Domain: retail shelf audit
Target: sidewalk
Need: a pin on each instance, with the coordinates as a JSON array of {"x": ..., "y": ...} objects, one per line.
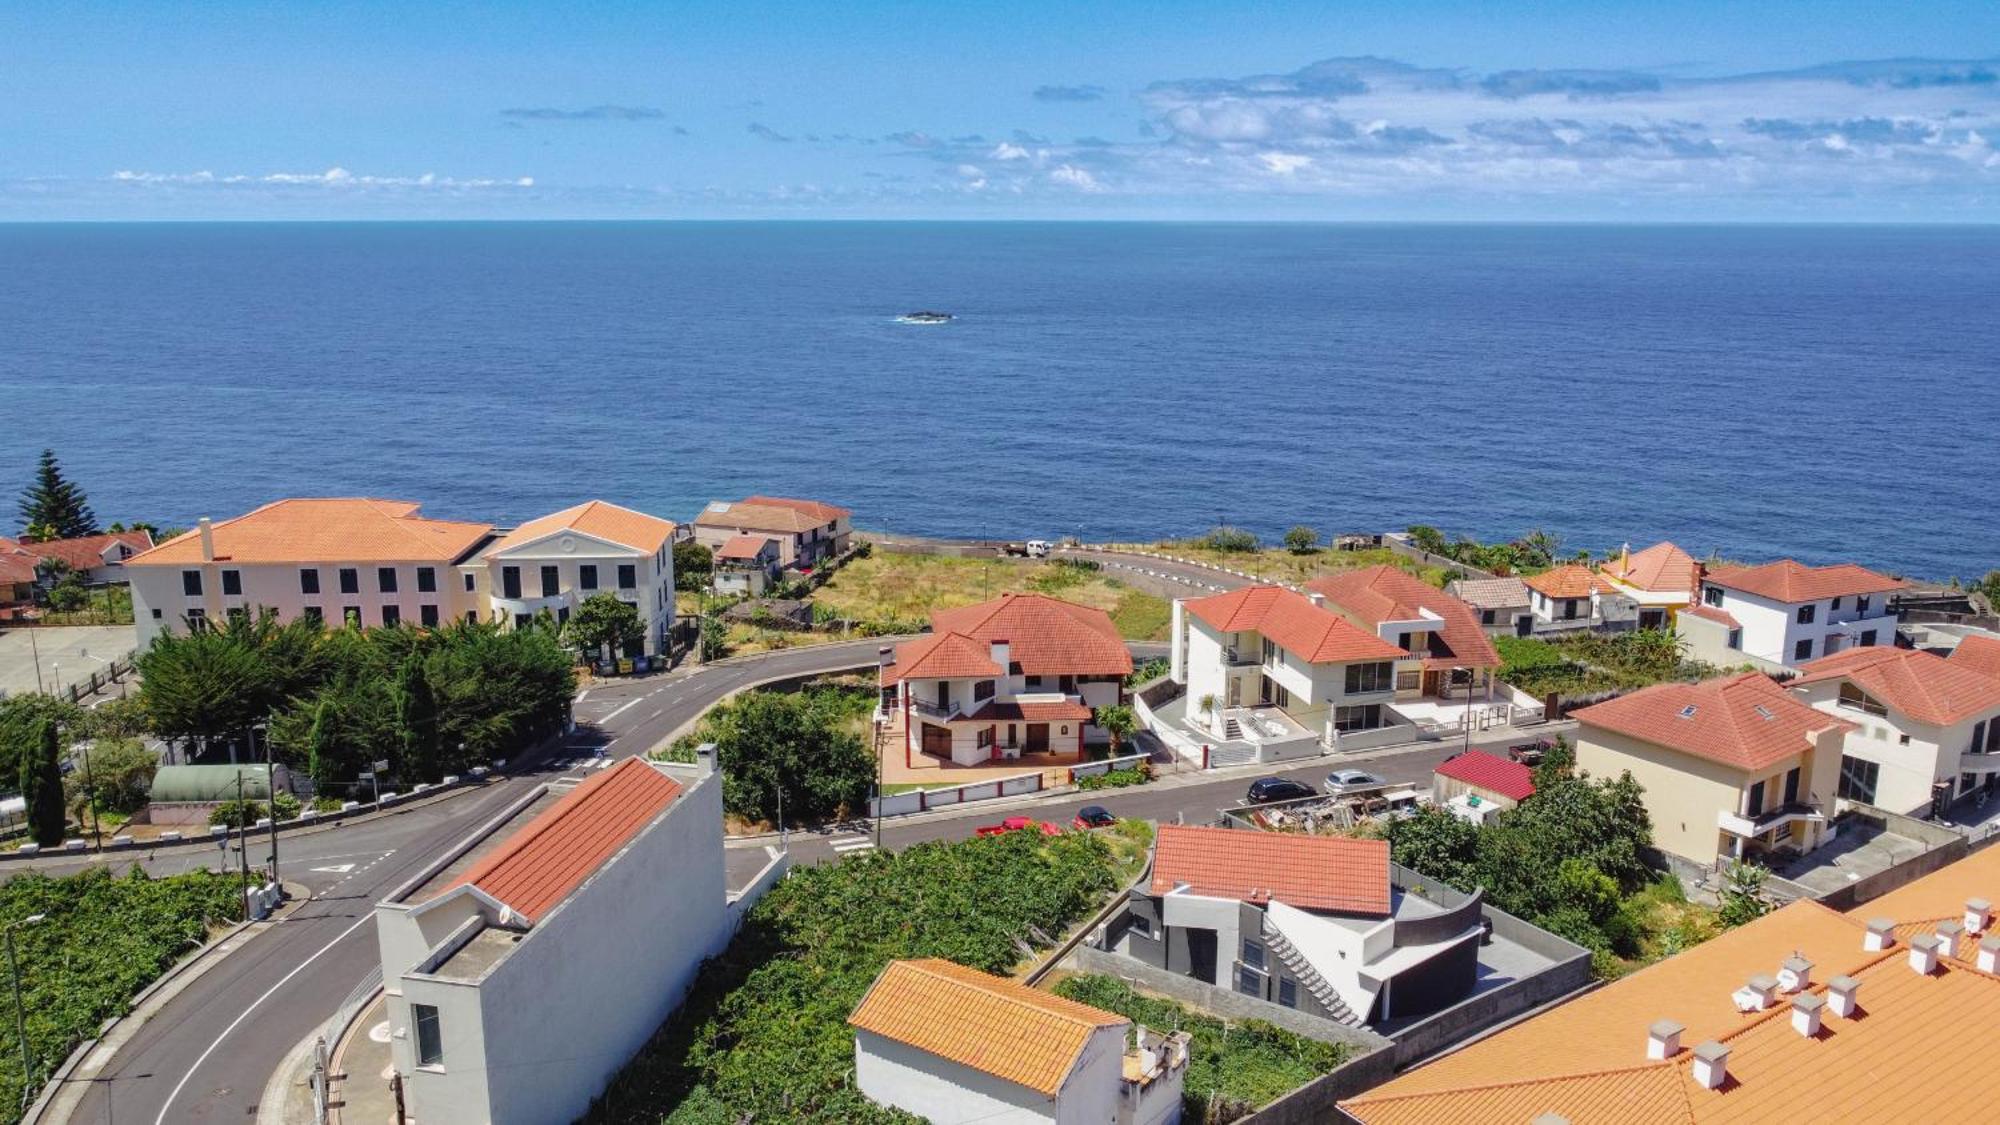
[{"x": 361, "y": 1068}]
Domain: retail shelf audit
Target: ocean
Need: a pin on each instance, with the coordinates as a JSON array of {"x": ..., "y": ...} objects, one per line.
[{"x": 1822, "y": 392}]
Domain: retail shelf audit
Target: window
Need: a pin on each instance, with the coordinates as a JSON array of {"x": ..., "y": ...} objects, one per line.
[
  {"x": 1808, "y": 613},
  {"x": 522, "y": 620},
  {"x": 191, "y": 583},
  {"x": 392, "y": 615},
  {"x": 427, "y": 580},
  {"x": 197, "y": 620},
  {"x": 1365, "y": 717},
  {"x": 983, "y": 738},
  {"x": 350, "y": 580},
  {"x": 1867, "y": 637},
  {"x": 428, "y": 615},
  {"x": 1858, "y": 778},
  {"x": 551, "y": 581},
  {"x": 1270, "y": 654},
  {"x": 1802, "y": 650},
  {"x": 586, "y": 576},
  {"x": 982, "y": 690},
  {"x": 1288, "y": 989},
  {"x": 1711, "y": 595},
  {"x": 237, "y": 613},
  {"x": 1363, "y": 678},
  {"x": 430, "y": 1043},
  {"x": 1978, "y": 737},
  {"x": 350, "y": 616},
  {"x": 472, "y": 617},
  {"x": 1253, "y": 953},
  {"x": 1755, "y": 804},
  {"x": 1792, "y": 786},
  {"x": 232, "y": 583},
  {"x": 1249, "y": 981},
  {"x": 1486, "y": 617},
  {"x": 1066, "y": 684},
  {"x": 510, "y": 581},
  {"x": 308, "y": 581},
  {"x": 157, "y": 615},
  {"x": 1736, "y": 639},
  {"x": 314, "y": 614},
  {"x": 1854, "y": 699},
  {"x": 1833, "y": 605},
  {"x": 470, "y": 582},
  {"x": 1569, "y": 609},
  {"x": 1861, "y": 606},
  {"x": 1141, "y": 926},
  {"x": 1993, "y": 738},
  {"x": 385, "y": 579},
  {"x": 628, "y": 576}
]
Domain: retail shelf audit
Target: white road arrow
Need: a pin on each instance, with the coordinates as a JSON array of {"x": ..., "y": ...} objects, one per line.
[{"x": 336, "y": 869}]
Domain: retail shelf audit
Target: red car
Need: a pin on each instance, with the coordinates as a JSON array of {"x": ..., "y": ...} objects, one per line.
[{"x": 1016, "y": 824}]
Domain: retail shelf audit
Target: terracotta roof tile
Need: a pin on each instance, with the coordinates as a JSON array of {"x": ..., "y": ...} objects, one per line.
[
  {"x": 942, "y": 656},
  {"x": 1979, "y": 653},
  {"x": 1792, "y": 582},
  {"x": 323, "y": 530},
  {"x": 1032, "y": 712},
  {"x": 1569, "y": 581},
  {"x": 747, "y": 516},
  {"x": 1938, "y": 896},
  {"x": 1045, "y": 636},
  {"x": 1661, "y": 568},
  {"x": 599, "y": 519},
  {"x": 1312, "y": 633},
  {"x": 88, "y": 551},
  {"x": 1372, "y": 595},
  {"x": 1308, "y": 872},
  {"x": 1746, "y": 720},
  {"x": 1710, "y": 613},
  {"x": 742, "y": 547},
  {"x": 824, "y": 513},
  {"x": 17, "y": 566},
  {"x": 993, "y": 1025},
  {"x": 555, "y": 853},
  {"x": 1490, "y": 772},
  {"x": 1922, "y": 685},
  {"x": 1490, "y": 593}
]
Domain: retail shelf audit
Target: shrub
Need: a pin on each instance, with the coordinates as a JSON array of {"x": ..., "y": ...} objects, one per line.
[
  {"x": 284, "y": 806},
  {"x": 1229, "y": 540},
  {"x": 1302, "y": 540},
  {"x": 1118, "y": 778},
  {"x": 236, "y": 814}
]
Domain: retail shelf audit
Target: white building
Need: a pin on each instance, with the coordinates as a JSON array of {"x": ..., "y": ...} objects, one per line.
[
  {"x": 962, "y": 1047},
  {"x": 1926, "y": 728},
  {"x": 1661, "y": 580},
  {"x": 553, "y": 563},
  {"x": 515, "y": 995},
  {"x": 1501, "y": 603},
  {"x": 1568, "y": 596},
  {"x": 1783, "y": 614},
  {"x": 807, "y": 532}
]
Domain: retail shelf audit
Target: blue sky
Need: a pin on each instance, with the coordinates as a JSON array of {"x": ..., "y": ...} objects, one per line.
[{"x": 1780, "y": 111}]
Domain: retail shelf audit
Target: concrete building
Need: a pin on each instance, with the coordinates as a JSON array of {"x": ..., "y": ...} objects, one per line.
[
  {"x": 1783, "y": 614},
  {"x": 1312, "y": 923},
  {"x": 1476, "y": 786},
  {"x": 1455, "y": 658},
  {"x": 1568, "y": 596},
  {"x": 961, "y": 1047},
  {"x": 1731, "y": 767},
  {"x": 1021, "y": 674},
  {"x": 555, "y": 562},
  {"x": 808, "y": 532},
  {"x": 1661, "y": 580},
  {"x": 746, "y": 565},
  {"x": 1926, "y": 729},
  {"x": 516, "y": 994},
  {"x": 1502, "y": 604}
]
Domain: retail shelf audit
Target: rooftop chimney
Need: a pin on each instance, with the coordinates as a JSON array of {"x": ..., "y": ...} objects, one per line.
[
  {"x": 1989, "y": 954},
  {"x": 704, "y": 758},
  {"x": 1843, "y": 995},
  {"x": 1978, "y": 915},
  {"x": 1316, "y": 598},
  {"x": 1000, "y": 651},
  {"x": 1948, "y": 934},
  {"x": 1805, "y": 1014},
  {"x": 207, "y": 539},
  {"x": 1756, "y": 994},
  {"x": 1881, "y": 935},
  {"x": 1924, "y": 954},
  {"x": 1711, "y": 1065},
  {"x": 1795, "y": 974},
  {"x": 1663, "y": 1039},
  {"x": 1550, "y": 1118}
]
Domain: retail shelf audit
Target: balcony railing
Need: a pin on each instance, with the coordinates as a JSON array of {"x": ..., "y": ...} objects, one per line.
[
  {"x": 931, "y": 710},
  {"x": 1737, "y": 824},
  {"x": 1237, "y": 658}
]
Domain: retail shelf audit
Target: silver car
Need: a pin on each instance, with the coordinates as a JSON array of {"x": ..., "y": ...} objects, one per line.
[{"x": 1350, "y": 781}]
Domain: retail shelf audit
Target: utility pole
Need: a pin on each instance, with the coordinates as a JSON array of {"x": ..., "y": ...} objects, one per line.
[
  {"x": 878, "y": 785},
  {"x": 243, "y": 843},
  {"x": 270, "y": 783},
  {"x": 36, "y": 650},
  {"x": 90, "y": 795}
]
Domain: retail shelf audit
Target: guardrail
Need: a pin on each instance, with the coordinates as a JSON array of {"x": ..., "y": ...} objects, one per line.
[{"x": 921, "y": 800}]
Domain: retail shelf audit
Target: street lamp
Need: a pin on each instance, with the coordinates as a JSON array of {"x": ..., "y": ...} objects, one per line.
[{"x": 21, "y": 1007}]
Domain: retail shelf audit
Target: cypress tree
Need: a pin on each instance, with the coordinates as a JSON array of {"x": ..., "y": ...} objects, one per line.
[
  {"x": 53, "y": 507},
  {"x": 417, "y": 718},
  {"x": 321, "y": 747},
  {"x": 41, "y": 785}
]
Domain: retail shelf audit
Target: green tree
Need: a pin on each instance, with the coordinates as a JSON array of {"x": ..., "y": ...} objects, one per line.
[
  {"x": 604, "y": 620},
  {"x": 1439, "y": 845},
  {"x": 205, "y": 685},
  {"x": 121, "y": 773},
  {"x": 53, "y": 507},
  {"x": 714, "y": 640},
  {"x": 1119, "y": 722},
  {"x": 773, "y": 743},
  {"x": 1990, "y": 586},
  {"x": 1428, "y": 538},
  {"x": 42, "y": 785},
  {"x": 322, "y": 744},
  {"x": 417, "y": 720},
  {"x": 693, "y": 565},
  {"x": 1302, "y": 540},
  {"x": 1742, "y": 897}
]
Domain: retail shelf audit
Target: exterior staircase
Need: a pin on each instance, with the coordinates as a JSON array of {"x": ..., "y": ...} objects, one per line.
[
  {"x": 1289, "y": 955},
  {"x": 1232, "y": 731}
]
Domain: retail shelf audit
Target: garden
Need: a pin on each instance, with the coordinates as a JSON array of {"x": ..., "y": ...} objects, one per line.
[
  {"x": 1591, "y": 663},
  {"x": 803, "y": 751},
  {"x": 890, "y": 594}
]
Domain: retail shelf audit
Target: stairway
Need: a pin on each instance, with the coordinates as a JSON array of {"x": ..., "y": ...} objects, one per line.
[
  {"x": 1232, "y": 731},
  {"x": 1288, "y": 954}
]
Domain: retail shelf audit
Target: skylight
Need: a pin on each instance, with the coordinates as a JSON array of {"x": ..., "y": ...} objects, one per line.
[
  {"x": 1763, "y": 712},
  {"x": 1688, "y": 711}
]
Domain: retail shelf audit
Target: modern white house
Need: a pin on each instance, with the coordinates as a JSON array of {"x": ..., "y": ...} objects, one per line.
[
  {"x": 1453, "y": 657},
  {"x": 1784, "y": 614},
  {"x": 1021, "y": 674},
  {"x": 960, "y": 1047},
  {"x": 553, "y": 563},
  {"x": 1661, "y": 580},
  {"x": 516, "y": 994},
  {"x": 1926, "y": 729}
]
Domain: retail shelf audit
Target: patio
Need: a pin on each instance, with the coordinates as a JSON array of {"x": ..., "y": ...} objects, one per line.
[{"x": 916, "y": 768}]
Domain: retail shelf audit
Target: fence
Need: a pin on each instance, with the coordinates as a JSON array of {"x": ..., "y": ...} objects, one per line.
[
  {"x": 919, "y": 800},
  {"x": 109, "y": 674}
]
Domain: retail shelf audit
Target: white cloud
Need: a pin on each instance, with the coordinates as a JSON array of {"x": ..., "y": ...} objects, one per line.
[
  {"x": 1007, "y": 150},
  {"x": 1284, "y": 163},
  {"x": 335, "y": 177},
  {"x": 1069, "y": 175}
]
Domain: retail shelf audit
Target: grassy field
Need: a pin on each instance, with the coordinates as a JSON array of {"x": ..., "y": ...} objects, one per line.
[
  {"x": 1280, "y": 565},
  {"x": 891, "y": 590}
]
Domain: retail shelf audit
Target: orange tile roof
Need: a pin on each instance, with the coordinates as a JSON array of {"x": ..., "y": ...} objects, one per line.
[
  {"x": 1569, "y": 581},
  {"x": 1376, "y": 594},
  {"x": 1045, "y": 636},
  {"x": 746, "y": 516},
  {"x": 599, "y": 519},
  {"x": 1310, "y": 632},
  {"x": 942, "y": 656},
  {"x": 1924, "y": 686},
  {"x": 993, "y": 1025},
  {"x": 1979, "y": 653},
  {"x": 824, "y": 513},
  {"x": 1710, "y": 613},
  {"x": 1922, "y": 902},
  {"x": 742, "y": 547},
  {"x": 1491, "y": 772},
  {"x": 552, "y": 855},
  {"x": 1792, "y": 582},
  {"x": 1661, "y": 568},
  {"x": 1308, "y": 872},
  {"x": 17, "y": 566},
  {"x": 324, "y": 530},
  {"x": 1015, "y": 712},
  {"x": 1746, "y": 720},
  {"x": 88, "y": 551}
]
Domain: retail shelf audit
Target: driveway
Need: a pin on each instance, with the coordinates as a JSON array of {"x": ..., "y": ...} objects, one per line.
[{"x": 66, "y": 653}]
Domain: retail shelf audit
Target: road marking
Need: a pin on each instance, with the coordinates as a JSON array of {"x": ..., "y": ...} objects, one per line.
[
  {"x": 849, "y": 844},
  {"x": 336, "y": 869},
  {"x": 583, "y": 695},
  {"x": 629, "y": 704}
]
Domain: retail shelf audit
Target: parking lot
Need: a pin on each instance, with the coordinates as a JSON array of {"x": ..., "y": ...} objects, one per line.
[{"x": 64, "y": 654}]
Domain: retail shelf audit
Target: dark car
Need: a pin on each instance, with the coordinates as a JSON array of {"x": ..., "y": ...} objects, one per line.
[
  {"x": 1531, "y": 753},
  {"x": 1094, "y": 816},
  {"x": 1266, "y": 789}
]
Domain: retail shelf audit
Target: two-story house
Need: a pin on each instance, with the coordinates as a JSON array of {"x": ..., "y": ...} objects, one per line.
[
  {"x": 1021, "y": 674},
  {"x": 1661, "y": 580},
  {"x": 1926, "y": 729},
  {"x": 1266, "y": 665},
  {"x": 1501, "y": 603},
  {"x": 807, "y": 532},
  {"x": 1783, "y": 614},
  {"x": 1568, "y": 596},
  {"x": 1731, "y": 767},
  {"x": 555, "y": 562},
  {"x": 1455, "y": 658}
]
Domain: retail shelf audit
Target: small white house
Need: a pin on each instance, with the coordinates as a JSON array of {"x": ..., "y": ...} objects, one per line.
[
  {"x": 962, "y": 1047},
  {"x": 1568, "y": 596},
  {"x": 1783, "y": 614},
  {"x": 1924, "y": 727}
]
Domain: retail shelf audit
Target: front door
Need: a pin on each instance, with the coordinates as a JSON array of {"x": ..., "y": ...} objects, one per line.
[
  {"x": 1038, "y": 738},
  {"x": 1652, "y": 619},
  {"x": 937, "y": 740},
  {"x": 1430, "y": 683}
]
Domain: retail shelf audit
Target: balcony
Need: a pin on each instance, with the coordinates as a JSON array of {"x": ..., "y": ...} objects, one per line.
[
  {"x": 1975, "y": 762},
  {"x": 932, "y": 711},
  {"x": 1750, "y": 827},
  {"x": 1238, "y": 658}
]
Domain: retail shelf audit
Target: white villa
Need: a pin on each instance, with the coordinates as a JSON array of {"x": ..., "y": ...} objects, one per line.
[
  {"x": 1783, "y": 614},
  {"x": 555, "y": 562},
  {"x": 1926, "y": 729}
]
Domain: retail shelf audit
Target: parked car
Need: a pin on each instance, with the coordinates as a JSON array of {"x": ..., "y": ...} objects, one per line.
[
  {"x": 1530, "y": 753},
  {"x": 1094, "y": 816},
  {"x": 1268, "y": 789},
  {"x": 1016, "y": 824},
  {"x": 1348, "y": 781}
]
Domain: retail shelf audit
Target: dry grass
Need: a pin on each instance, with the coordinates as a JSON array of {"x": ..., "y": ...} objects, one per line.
[
  {"x": 1277, "y": 564},
  {"x": 888, "y": 587}
]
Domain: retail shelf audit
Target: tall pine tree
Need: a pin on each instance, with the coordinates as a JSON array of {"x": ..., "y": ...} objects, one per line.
[
  {"x": 41, "y": 785},
  {"x": 53, "y": 507}
]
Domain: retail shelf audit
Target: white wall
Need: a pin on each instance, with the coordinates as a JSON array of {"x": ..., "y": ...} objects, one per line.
[
  {"x": 569, "y": 550},
  {"x": 1771, "y": 629},
  {"x": 1913, "y": 755},
  {"x": 896, "y": 1074},
  {"x": 277, "y": 587},
  {"x": 1204, "y": 913}
]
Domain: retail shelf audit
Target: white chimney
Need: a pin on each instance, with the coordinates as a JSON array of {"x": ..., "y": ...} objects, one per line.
[
  {"x": 1843, "y": 995},
  {"x": 1948, "y": 934},
  {"x": 1663, "y": 1039},
  {"x": 1924, "y": 954},
  {"x": 1316, "y": 598},
  {"x": 1002, "y": 654},
  {"x": 1757, "y": 994},
  {"x": 1978, "y": 915},
  {"x": 704, "y": 758},
  {"x": 1881, "y": 935},
  {"x": 1989, "y": 954},
  {"x": 207, "y": 539},
  {"x": 1711, "y": 1065},
  {"x": 1795, "y": 974},
  {"x": 1805, "y": 1014},
  {"x": 1550, "y": 1118}
]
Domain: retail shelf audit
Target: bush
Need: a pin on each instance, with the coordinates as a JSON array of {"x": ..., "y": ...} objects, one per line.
[
  {"x": 120, "y": 774},
  {"x": 1117, "y": 779},
  {"x": 1302, "y": 540},
  {"x": 693, "y": 565},
  {"x": 236, "y": 814},
  {"x": 1146, "y": 671},
  {"x": 796, "y": 746},
  {"x": 284, "y": 806},
  {"x": 1228, "y": 540}
]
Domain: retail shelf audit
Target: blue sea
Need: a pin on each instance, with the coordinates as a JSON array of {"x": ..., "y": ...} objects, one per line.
[{"x": 1822, "y": 392}]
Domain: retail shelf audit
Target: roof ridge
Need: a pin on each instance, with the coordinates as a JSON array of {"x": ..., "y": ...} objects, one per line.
[
  {"x": 1599, "y": 1072},
  {"x": 1065, "y": 1010},
  {"x": 542, "y": 825}
]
